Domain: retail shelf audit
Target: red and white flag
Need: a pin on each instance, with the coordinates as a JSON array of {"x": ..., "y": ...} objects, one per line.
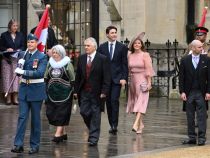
[
  {"x": 203, "y": 18},
  {"x": 41, "y": 31}
]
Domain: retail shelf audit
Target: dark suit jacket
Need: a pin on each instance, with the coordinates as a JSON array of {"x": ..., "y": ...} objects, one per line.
[
  {"x": 99, "y": 78},
  {"x": 186, "y": 74},
  {"x": 119, "y": 64},
  {"x": 51, "y": 40},
  {"x": 7, "y": 42}
]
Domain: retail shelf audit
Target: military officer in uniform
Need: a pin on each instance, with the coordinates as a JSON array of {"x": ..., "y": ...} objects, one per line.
[
  {"x": 201, "y": 35},
  {"x": 31, "y": 95}
]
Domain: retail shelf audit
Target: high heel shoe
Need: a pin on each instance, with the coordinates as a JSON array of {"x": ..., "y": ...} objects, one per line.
[
  {"x": 134, "y": 130},
  {"x": 57, "y": 139},
  {"x": 15, "y": 103},
  {"x": 139, "y": 131}
]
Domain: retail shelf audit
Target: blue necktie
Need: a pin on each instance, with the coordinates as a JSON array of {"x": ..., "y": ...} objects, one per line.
[
  {"x": 111, "y": 50},
  {"x": 195, "y": 61}
]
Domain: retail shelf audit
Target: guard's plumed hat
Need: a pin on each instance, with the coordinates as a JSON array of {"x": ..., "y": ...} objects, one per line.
[
  {"x": 199, "y": 31},
  {"x": 32, "y": 37}
]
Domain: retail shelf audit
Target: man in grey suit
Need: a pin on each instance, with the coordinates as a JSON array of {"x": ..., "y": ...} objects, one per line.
[{"x": 194, "y": 86}]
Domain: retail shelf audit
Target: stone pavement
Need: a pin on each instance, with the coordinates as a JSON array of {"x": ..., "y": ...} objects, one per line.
[{"x": 165, "y": 127}]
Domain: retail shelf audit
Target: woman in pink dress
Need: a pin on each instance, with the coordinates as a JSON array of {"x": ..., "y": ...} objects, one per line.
[{"x": 141, "y": 72}]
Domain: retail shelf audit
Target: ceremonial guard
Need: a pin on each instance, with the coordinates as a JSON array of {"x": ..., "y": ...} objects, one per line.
[{"x": 31, "y": 95}]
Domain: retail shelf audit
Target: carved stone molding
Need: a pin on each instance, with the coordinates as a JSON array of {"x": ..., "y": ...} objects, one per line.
[{"x": 112, "y": 10}]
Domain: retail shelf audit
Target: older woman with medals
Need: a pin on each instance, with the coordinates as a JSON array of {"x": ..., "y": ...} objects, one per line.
[{"x": 59, "y": 76}]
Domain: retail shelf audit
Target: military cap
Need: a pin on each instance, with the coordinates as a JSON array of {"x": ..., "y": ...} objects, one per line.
[
  {"x": 199, "y": 31},
  {"x": 32, "y": 37}
]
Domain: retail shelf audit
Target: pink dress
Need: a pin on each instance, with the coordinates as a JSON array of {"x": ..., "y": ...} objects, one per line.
[{"x": 140, "y": 66}]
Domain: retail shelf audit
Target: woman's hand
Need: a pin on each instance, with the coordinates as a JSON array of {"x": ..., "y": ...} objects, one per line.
[
  {"x": 10, "y": 50},
  {"x": 149, "y": 86}
]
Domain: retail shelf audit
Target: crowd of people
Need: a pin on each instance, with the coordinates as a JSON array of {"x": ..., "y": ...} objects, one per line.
[{"x": 101, "y": 73}]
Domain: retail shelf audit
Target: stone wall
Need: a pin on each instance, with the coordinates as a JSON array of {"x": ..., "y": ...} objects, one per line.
[{"x": 161, "y": 20}]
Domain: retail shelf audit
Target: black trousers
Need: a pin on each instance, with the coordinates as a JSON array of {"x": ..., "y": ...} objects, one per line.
[
  {"x": 112, "y": 104},
  {"x": 196, "y": 103},
  {"x": 91, "y": 113}
]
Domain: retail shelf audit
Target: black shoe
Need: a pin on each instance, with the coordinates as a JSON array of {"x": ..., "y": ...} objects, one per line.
[
  {"x": 65, "y": 137},
  {"x": 92, "y": 143},
  {"x": 188, "y": 141},
  {"x": 110, "y": 130},
  {"x": 57, "y": 139},
  {"x": 33, "y": 151},
  {"x": 17, "y": 149},
  {"x": 114, "y": 130},
  {"x": 201, "y": 142}
]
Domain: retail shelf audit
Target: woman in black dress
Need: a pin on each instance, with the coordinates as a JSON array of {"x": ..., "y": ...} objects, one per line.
[{"x": 59, "y": 76}]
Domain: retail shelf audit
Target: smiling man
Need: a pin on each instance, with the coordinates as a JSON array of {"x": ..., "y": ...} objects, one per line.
[
  {"x": 116, "y": 52},
  {"x": 31, "y": 95}
]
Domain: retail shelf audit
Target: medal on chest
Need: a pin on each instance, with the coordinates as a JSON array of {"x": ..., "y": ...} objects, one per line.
[{"x": 35, "y": 63}]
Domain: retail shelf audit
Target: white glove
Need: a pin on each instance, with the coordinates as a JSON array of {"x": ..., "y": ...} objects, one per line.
[
  {"x": 19, "y": 71},
  {"x": 21, "y": 62}
]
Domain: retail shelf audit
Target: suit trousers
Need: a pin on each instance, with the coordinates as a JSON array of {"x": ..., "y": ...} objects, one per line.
[
  {"x": 24, "y": 109},
  {"x": 112, "y": 104},
  {"x": 91, "y": 113},
  {"x": 196, "y": 103}
]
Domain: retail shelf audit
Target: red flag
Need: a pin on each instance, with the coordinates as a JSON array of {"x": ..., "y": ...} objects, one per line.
[
  {"x": 203, "y": 18},
  {"x": 42, "y": 31}
]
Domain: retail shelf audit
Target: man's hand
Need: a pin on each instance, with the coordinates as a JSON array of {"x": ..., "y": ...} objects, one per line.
[
  {"x": 21, "y": 62},
  {"x": 123, "y": 82},
  {"x": 183, "y": 96},
  {"x": 102, "y": 96},
  {"x": 19, "y": 71},
  {"x": 75, "y": 96},
  {"x": 207, "y": 97}
]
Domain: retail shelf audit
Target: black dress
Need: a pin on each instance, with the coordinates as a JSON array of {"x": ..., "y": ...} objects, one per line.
[{"x": 59, "y": 91}]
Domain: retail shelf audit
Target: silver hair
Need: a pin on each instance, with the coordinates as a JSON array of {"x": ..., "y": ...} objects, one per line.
[
  {"x": 60, "y": 50},
  {"x": 93, "y": 41}
]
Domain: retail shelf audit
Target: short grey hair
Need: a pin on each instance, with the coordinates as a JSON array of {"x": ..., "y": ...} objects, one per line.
[
  {"x": 60, "y": 50},
  {"x": 92, "y": 40}
]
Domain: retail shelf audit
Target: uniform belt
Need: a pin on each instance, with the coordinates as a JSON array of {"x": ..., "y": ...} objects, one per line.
[{"x": 32, "y": 80}]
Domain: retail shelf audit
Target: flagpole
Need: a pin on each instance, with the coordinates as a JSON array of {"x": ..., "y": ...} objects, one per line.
[{"x": 11, "y": 83}]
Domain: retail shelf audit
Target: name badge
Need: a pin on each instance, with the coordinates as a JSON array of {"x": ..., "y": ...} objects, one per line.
[{"x": 35, "y": 63}]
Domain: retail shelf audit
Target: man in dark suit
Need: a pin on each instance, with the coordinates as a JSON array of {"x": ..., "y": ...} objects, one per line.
[
  {"x": 194, "y": 85},
  {"x": 117, "y": 54},
  {"x": 31, "y": 95},
  {"x": 91, "y": 87}
]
